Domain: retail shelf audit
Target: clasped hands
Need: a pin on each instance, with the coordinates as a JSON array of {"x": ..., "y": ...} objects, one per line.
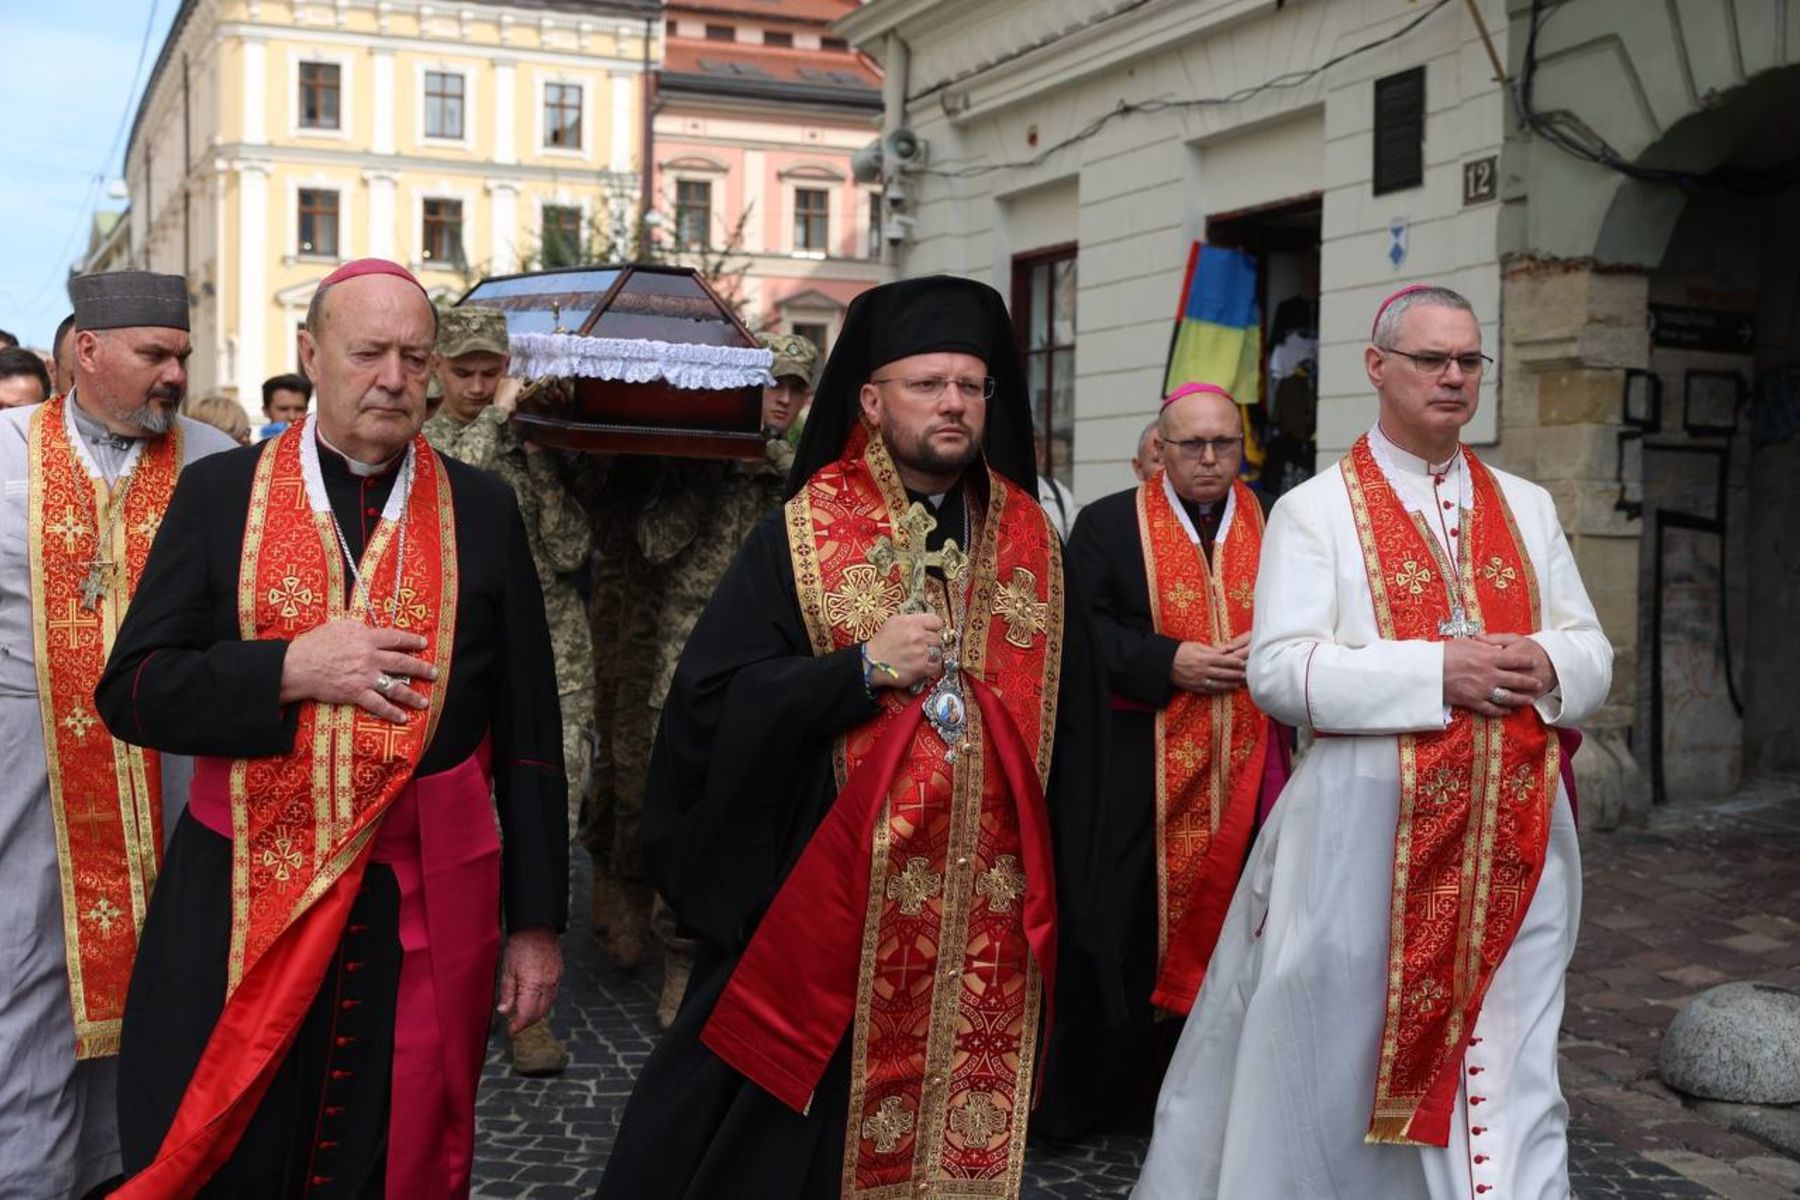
[
  {"x": 347, "y": 662},
  {"x": 1495, "y": 673},
  {"x": 1211, "y": 670}
]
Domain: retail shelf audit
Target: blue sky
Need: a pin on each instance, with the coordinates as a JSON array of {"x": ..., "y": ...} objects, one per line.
[{"x": 65, "y": 89}]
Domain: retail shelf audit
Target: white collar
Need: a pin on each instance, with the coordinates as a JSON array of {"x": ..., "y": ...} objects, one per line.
[
  {"x": 1406, "y": 460},
  {"x": 361, "y": 470},
  {"x": 1187, "y": 524}
]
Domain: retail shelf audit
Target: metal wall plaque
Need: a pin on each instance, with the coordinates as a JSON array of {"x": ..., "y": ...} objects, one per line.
[{"x": 1481, "y": 180}]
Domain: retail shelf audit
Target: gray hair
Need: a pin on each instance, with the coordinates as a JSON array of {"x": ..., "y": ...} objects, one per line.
[
  {"x": 1387, "y": 322},
  {"x": 1155, "y": 426}
]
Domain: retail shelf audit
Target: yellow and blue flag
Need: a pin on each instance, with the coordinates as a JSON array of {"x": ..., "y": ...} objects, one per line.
[{"x": 1218, "y": 332}]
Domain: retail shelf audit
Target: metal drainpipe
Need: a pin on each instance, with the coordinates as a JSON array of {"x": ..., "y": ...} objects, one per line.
[
  {"x": 646, "y": 187},
  {"x": 897, "y": 69}
]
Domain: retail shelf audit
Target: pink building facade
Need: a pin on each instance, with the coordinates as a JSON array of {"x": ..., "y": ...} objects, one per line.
[{"x": 758, "y": 111}]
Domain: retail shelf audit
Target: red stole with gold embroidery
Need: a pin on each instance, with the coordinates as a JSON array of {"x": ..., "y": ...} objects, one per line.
[
  {"x": 922, "y": 913},
  {"x": 303, "y": 822},
  {"x": 1209, "y": 749},
  {"x": 105, "y": 795},
  {"x": 1475, "y": 799}
]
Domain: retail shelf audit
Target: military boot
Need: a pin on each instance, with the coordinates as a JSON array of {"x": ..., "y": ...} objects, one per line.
[
  {"x": 678, "y": 968},
  {"x": 537, "y": 1052},
  {"x": 629, "y": 927}
]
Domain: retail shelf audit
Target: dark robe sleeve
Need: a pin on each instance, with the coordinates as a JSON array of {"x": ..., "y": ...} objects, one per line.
[
  {"x": 741, "y": 772},
  {"x": 1080, "y": 799},
  {"x": 170, "y": 683},
  {"x": 530, "y": 788},
  {"x": 1106, "y": 564}
]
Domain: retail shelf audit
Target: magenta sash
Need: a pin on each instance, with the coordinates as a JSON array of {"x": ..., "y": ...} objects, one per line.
[{"x": 442, "y": 843}]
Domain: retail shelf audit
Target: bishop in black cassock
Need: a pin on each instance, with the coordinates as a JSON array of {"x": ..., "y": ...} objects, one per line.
[
  {"x": 183, "y": 679},
  {"x": 743, "y": 779}
]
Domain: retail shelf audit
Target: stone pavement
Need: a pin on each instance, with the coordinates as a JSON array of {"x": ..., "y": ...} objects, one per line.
[
  {"x": 1702, "y": 895},
  {"x": 1698, "y": 897}
]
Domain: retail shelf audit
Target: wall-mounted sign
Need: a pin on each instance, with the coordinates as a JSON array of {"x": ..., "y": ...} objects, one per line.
[
  {"x": 1481, "y": 179},
  {"x": 1683, "y": 328}
]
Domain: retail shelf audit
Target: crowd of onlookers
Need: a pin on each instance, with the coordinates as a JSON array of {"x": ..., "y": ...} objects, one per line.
[{"x": 30, "y": 376}]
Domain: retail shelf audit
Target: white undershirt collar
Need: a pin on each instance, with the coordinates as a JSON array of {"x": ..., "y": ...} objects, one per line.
[{"x": 361, "y": 470}]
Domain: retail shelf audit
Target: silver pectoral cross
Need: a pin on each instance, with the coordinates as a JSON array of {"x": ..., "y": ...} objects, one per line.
[
  {"x": 1459, "y": 625},
  {"x": 96, "y": 583}
]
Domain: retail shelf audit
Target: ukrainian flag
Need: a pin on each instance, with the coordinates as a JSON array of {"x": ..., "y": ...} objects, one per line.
[{"x": 1218, "y": 333}]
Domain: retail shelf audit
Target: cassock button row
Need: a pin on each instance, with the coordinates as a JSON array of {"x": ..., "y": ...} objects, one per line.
[
  {"x": 1477, "y": 1099},
  {"x": 1480, "y": 1158},
  {"x": 347, "y": 1005},
  {"x": 320, "y": 1180},
  {"x": 1476, "y": 1070},
  {"x": 1449, "y": 504},
  {"x": 1478, "y": 1130},
  {"x": 328, "y": 1145},
  {"x": 1482, "y": 1189}
]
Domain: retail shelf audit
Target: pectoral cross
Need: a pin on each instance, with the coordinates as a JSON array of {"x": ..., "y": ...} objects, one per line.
[
  {"x": 914, "y": 560},
  {"x": 1459, "y": 625},
  {"x": 96, "y": 584}
]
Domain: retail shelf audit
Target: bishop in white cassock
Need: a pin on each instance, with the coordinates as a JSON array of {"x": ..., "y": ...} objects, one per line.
[{"x": 1379, "y": 1019}]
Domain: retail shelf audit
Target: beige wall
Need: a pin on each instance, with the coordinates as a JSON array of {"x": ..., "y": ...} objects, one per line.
[{"x": 248, "y": 156}]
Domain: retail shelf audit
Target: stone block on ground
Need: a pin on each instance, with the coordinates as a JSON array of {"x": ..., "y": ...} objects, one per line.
[{"x": 1738, "y": 1042}]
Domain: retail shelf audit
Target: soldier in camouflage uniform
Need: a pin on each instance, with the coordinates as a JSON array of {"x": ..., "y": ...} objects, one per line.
[
  {"x": 472, "y": 426},
  {"x": 623, "y": 600},
  {"x": 694, "y": 530}
]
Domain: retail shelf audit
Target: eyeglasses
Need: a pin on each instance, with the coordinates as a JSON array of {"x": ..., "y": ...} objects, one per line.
[
  {"x": 931, "y": 387},
  {"x": 1196, "y": 448},
  {"x": 1437, "y": 364}
]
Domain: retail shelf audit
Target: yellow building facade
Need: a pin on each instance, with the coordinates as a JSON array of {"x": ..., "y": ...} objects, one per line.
[{"x": 279, "y": 139}]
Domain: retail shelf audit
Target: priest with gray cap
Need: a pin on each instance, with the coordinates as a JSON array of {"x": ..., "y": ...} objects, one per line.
[{"x": 84, "y": 480}]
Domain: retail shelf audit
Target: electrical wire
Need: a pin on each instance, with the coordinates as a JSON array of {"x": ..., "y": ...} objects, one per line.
[
  {"x": 1575, "y": 137},
  {"x": 1126, "y": 108},
  {"x": 84, "y": 211}
]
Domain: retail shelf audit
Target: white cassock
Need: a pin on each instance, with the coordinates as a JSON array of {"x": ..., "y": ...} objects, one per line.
[
  {"x": 1273, "y": 1081},
  {"x": 58, "y": 1131}
]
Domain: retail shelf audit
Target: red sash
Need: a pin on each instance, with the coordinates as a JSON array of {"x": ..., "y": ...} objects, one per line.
[
  {"x": 1209, "y": 749},
  {"x": 303, "y": 823},
  {"x": 922, "y": 914},
  {"x": 105, "y": 795},
  {"x": 1474, "y": 799}
]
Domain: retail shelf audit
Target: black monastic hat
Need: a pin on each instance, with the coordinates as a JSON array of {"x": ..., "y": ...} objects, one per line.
[
  {"x": 127, "y": 299},
  {"x": 922, "y": 316}
]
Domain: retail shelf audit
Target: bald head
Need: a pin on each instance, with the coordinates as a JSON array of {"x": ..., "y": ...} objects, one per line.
[
  {"x": 367, "y": 348},
  {"x": 1202, "y": 444}
]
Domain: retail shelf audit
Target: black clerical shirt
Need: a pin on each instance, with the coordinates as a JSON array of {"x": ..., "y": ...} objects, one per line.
[{"x": 181, "y": 680}]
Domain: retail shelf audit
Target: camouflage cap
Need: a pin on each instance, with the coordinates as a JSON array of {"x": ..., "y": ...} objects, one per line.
[
  {"x": 471, "y": 331},
  {"x": 795, "y": 357}
]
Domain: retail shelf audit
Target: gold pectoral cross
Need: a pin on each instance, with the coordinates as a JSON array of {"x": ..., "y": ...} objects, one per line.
[{"x": 910, "y": 555}]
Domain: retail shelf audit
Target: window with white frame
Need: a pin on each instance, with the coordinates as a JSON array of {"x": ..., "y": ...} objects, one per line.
[
  {"x": 441, "y": 235},
  {"x": 318, "y": 222},
  {"x": 444, "y": 96},
  {"x": 321, "y": 90},
  {"x": 562, "y": 235},
  {"x": 693, "y": 214},
  {"x": 812, "y": 219},
  {"x": 562, "y": 116}
]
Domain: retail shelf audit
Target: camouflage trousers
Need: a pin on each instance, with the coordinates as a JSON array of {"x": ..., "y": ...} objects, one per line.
[{"x": 624, "y": 628}]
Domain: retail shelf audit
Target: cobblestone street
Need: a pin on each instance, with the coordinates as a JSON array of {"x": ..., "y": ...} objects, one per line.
[{"x": 1698, "y": 897}]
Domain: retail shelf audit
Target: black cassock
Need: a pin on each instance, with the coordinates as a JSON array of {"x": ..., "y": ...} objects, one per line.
[
  {"x": 181, "y": 680},
  {"x": 741, "y": 776},
  {"x": 1108, "y": 1075}
]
